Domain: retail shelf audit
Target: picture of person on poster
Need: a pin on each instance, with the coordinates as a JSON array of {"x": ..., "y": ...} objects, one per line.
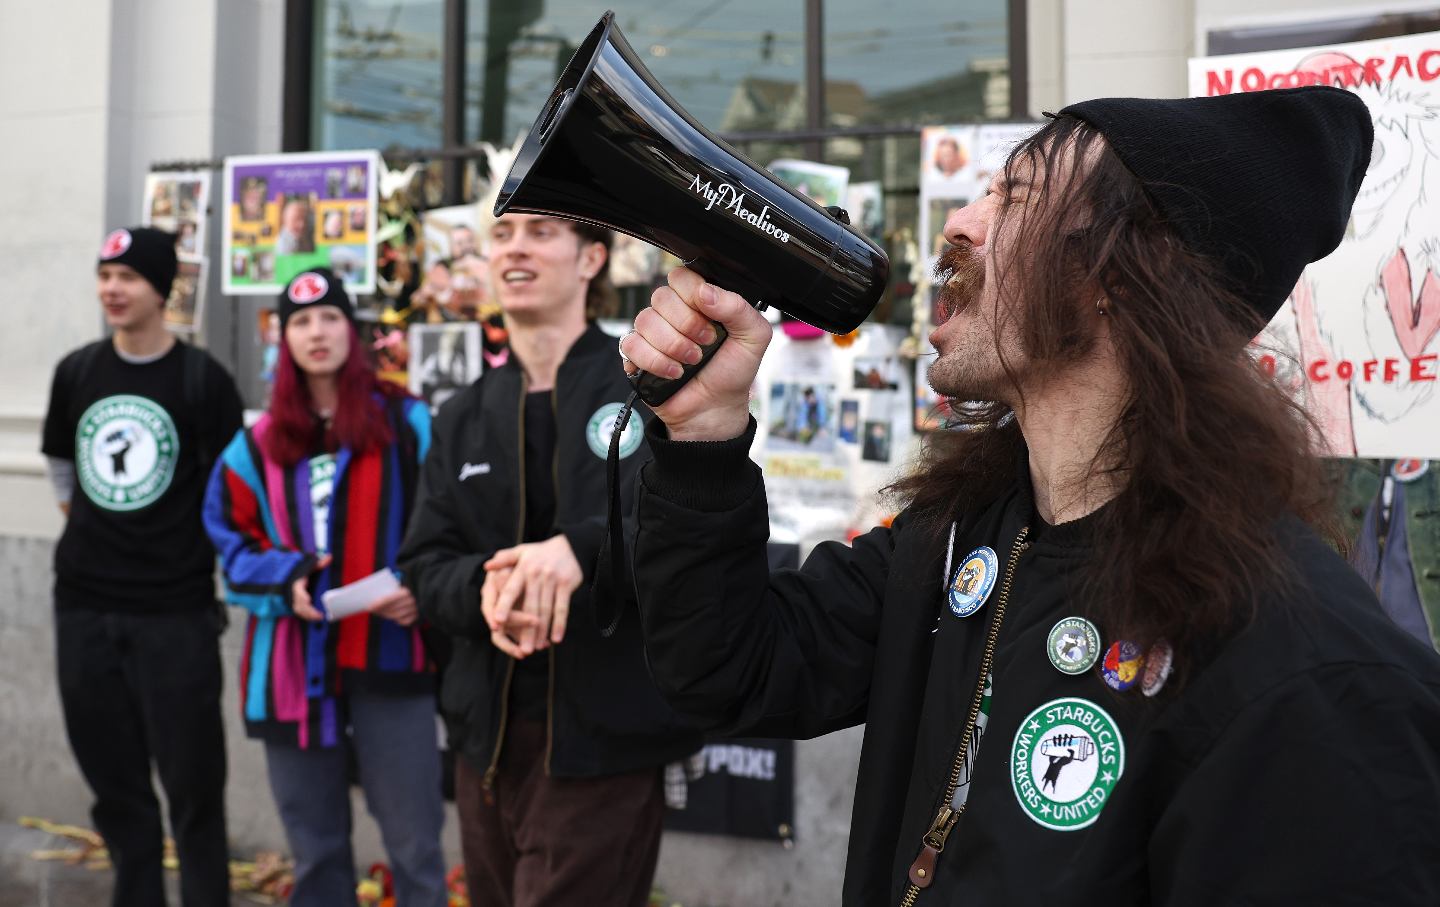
[
  {"x": 162, "y": 203},
  {"x": 849, "y": 420},
  {"x": 187, "y": 194},
  {"x": 186, "y": 241},
  {"x": 876, "y": 448},
  {"x": 252, "y": 198},
  {"x": 297, "y": 227},
  {"x": 949, "y": 157},
  {"x": 462, "y": 241},
  {"x": 334, "y": 224}
]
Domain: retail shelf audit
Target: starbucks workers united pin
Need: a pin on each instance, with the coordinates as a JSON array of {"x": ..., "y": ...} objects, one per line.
[{"x": 1073, "y": 645}]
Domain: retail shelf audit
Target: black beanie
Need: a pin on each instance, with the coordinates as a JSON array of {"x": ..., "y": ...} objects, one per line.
[
  {"x": 317, "y": 286},
  {"x": 1260, "y": 183},
  {"x": 149, "y": 251}
]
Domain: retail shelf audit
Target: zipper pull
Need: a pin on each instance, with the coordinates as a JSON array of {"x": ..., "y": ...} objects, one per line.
[
  {"x": 922, "y": 871},
  {"x": 487, "y": 786}
]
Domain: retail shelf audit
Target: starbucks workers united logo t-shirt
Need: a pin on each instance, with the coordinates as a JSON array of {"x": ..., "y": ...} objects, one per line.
[{"x": 134, "y": 539}]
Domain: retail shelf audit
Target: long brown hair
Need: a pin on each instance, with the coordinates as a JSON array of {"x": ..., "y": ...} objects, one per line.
[{"x": 1209, "y": 454}]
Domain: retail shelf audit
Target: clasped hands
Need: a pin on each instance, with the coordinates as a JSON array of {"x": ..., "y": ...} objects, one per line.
[
  {"x": 398, "y": 606},
  {"x": 526, "y": 596}
]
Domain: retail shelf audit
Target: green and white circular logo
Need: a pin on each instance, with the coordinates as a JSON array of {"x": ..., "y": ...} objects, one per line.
[
  {"x": 1073, "y": 645},
  {"x": 1065, "y": 761},
  {"x": 126, "y": 448},
  {"x": 602, "y": 424}
]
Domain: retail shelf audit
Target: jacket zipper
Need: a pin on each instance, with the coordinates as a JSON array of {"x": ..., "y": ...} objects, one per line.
[
  {"x": 922, "y": 871},
  {"x": 487, "y": 785},
  {"x": 555, "y": 491}
]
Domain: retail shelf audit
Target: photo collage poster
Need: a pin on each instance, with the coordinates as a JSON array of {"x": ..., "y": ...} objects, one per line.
[
  {"x": 179, "y": 202},
  {"x": 287, "y": 213},
  {"x": 835, "y": 427}
]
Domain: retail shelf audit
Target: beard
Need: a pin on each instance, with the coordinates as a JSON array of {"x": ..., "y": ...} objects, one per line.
[{"x": 960, "y": 373}]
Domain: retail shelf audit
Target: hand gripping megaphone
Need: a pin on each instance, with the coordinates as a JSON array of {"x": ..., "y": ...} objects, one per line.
[{"x": 611, "y": 147}]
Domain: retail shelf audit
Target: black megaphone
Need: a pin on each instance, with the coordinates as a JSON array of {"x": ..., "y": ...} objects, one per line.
[{"x": 611, "y": 147}]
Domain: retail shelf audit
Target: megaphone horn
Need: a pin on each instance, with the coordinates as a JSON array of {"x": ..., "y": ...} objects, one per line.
[{"x": 611, "y": 147}]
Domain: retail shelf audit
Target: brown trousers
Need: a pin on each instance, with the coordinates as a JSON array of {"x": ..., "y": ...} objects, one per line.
[{"x": 538, "y": 841}]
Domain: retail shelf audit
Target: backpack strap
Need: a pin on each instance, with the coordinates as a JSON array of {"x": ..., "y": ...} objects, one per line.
[{"x": 194, "y": 370}]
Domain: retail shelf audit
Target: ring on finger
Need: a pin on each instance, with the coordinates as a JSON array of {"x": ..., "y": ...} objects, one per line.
[{"x": 621, "y": 347}]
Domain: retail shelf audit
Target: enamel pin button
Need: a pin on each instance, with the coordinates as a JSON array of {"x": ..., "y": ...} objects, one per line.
[
  {"x": 973, "y": 581},
  {"x": 1073, "y": 645}
]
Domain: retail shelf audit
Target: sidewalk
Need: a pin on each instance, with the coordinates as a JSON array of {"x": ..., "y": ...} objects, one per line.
[{"x": 53, "y": 883}]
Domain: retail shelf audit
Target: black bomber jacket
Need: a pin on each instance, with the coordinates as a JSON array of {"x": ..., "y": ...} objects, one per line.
[
  {"x": 1298, "y": 764},
  {"x": 604, "y": 713}
]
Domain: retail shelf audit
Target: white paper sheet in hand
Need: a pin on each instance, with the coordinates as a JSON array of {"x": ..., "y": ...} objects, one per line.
[{"x": 357, "y": 596}]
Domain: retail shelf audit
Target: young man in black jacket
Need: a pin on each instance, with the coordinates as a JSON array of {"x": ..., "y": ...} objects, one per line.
[
  {"x": 1101, "y": 656},
  {"x": 561, "y": 735},
  {"x": 134, "y": 424}
]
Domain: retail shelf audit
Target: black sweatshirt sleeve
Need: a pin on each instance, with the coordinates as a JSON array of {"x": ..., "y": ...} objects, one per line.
[
  {"x": 439, "y": 567},
  {"x": 785, "y": 655}
]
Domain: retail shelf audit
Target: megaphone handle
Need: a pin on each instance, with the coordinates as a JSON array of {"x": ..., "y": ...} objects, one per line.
[{"x": 655, "y": 390}]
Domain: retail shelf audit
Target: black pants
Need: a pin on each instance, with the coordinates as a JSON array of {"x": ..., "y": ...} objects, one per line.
[{"x": 143, "y": 688}]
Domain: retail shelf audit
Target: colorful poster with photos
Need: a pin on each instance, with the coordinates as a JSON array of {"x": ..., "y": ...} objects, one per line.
[
  {"x": 834, "y": 428},
  {"x": 179, "y": 201},
  {"x": 286, "y": 213}
]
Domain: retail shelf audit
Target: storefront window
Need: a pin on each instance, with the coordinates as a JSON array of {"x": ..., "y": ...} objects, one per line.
[
  {"x": 377, "y": 74},
  {"x": 735, "y": 66},
  {"x": 915, "y": 61}
]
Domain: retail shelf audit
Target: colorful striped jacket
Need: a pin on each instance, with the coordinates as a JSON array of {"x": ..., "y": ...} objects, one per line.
[{"x": 294, "y": 673}]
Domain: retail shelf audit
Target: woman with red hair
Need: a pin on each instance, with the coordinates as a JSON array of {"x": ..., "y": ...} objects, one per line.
[{"x": 314, "y": 497}]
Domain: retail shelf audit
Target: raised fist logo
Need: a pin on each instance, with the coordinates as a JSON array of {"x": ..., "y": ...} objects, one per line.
[{"x": 117, "y": 444}]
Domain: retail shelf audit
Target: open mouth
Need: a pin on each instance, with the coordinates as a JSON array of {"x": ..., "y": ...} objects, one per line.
[
  {"x": 517, "y": 276},
  {"x": 1414, "y": 311}
]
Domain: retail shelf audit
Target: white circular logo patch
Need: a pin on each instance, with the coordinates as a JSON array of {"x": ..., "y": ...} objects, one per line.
[
  {"x": 308, "y": 287},
  {"x": 1066, "y": 759},
  {"x": 115, "y": 244},
  {"x": 602, "y": 425},
  {"x": 973, "y": 580},
  {"x": 126, "y": 448},
  {"x": 1409, "y": 470}
]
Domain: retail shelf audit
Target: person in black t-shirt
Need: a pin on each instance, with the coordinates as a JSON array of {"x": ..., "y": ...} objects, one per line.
[{"x": 133, "y": 426}]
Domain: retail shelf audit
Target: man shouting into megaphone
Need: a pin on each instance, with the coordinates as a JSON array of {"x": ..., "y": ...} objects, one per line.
[{"x": 1140, "y": 502}]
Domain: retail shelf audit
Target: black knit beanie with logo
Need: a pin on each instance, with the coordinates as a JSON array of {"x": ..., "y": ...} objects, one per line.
[
  {"x": 317, "y": 286},
  {"x": 149, "y": 251},
  {"x": 1260, "y": 183}
]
